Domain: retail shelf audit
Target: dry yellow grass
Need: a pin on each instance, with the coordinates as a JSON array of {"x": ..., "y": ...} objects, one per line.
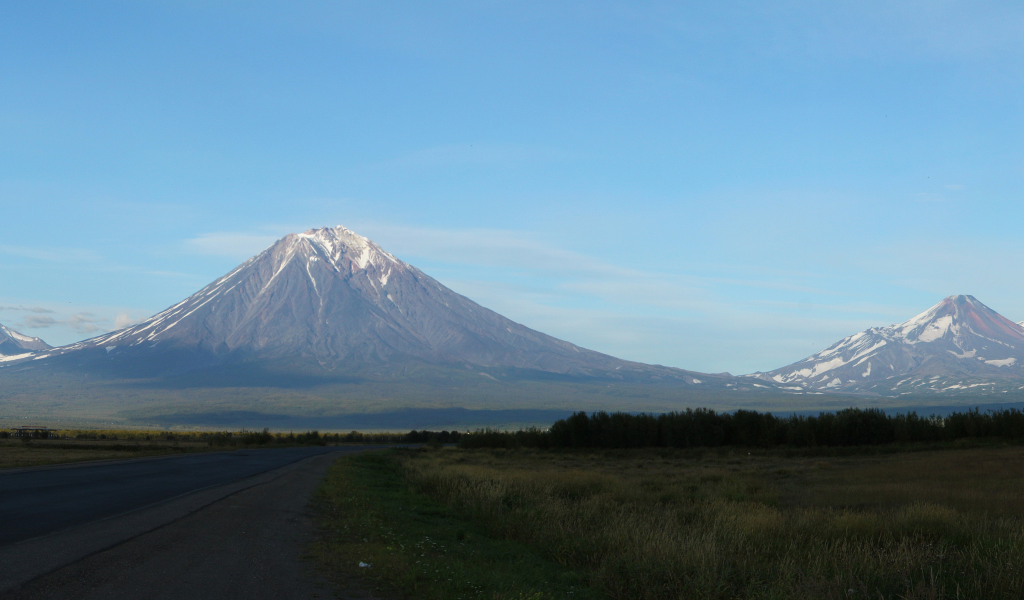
[{"x": 659, "y": 524}]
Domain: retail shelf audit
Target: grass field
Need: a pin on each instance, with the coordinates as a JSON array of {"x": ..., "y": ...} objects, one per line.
[
  {"x": 418, "y": 546},
  {"x": 655, "y": 524},
  {"x": 17, "y": 454},
  {"x": 77, "y": 445}
]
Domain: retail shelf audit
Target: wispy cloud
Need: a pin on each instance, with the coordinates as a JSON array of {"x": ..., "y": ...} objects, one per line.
[
  {"x": 474, "y": 154},
  {"x": 745, "y": 339},
  {"x": 86, "y": 323},
  {"x": 51, "y": 254},
  {"x": 63, "y": 324},
  {"x": 946, "y": 267},
  {"x": 929, "y": 197},
  {"x": 82, "y": 322},
  {"x": 35, "y": 309},
  {"x": 38, "y": 321},
  {"x": 580, "y": 272},
  {"x": 125, "y": 319},
  {"x": 172, "y": 274},
  {"x": 491, "y": 248},
  {"x": 230, "y": 244},
  {"x": 635, "y": 312}
]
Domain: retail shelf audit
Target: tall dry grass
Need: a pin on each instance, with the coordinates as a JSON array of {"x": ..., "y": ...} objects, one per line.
[{"x": 644, "y": 525}]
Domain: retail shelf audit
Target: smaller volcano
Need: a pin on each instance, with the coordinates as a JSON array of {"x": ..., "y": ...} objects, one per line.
[
  {"x": 13, "y": 343},
  {"x": 957, "y": 344}
]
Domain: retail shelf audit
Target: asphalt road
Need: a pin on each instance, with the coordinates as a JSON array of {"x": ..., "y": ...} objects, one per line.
[
  {"x": 211, "y": 526},
  {"x": 37, "y": 502}
]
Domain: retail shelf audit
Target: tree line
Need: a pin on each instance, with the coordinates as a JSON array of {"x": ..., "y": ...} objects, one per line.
[
  {"x": 703, "y": 427},
  {"x": 257, "y": 438}
]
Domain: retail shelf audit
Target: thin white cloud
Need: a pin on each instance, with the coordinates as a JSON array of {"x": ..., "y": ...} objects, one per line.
[
  {"x": 64, "y": 324},
  {"x": 51, "y": 254},
  {"x": 462, "y": 155},
  {"x": 521, "y": 251},
  {"x": 490, "y": 248},
  {"x": 891, "y": 31},
  {"x": 637, "y": 313},
  {"x": 230, "y": 244},
  {"x": 746, "y": 339},
  {"x": 82, "y": 322},
  {"x": 85, "y": 322},
  {"x": 38, "y": 321},
  {"x": 34, "y": 309},
  {"x": 894, "y": 313},
  {"x": 125, "y": 319},
  {"x": 173, "y": 274},
  {"x": 954, "y": 266}
]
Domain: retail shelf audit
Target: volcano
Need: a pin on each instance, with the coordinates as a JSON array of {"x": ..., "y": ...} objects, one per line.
[
  {"x": 957, "y": 345},
  {"x": 327, "y": 302},
  {"x": 13, "y": 343}
]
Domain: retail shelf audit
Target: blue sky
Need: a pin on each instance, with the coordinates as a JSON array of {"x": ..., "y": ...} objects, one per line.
[{"x": 718, "y": 186}]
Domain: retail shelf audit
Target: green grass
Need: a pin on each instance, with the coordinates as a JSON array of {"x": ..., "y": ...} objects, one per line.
[
  {"x": 661, "y": 524},
  {"x": 111, "y": 444},
  {"x": 19, "y": 454},
  {"x": 419, "y": 546}
]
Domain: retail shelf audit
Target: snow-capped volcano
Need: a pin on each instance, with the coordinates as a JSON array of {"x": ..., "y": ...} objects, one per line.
[
  {"x": 335, "y": 301},
  {"x": 957, "y": 344},
  {"x": 13, "y": 343}
]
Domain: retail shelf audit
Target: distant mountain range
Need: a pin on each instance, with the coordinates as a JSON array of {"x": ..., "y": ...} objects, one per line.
[
  {"x": 326, "y": 321},
  {"x": 957, "y": 346}
]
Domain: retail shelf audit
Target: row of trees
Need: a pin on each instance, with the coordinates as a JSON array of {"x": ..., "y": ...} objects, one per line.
[
  {"x": 691, "y": 428},
  {"x": 261, "y": 438},
  {"x": 265, "y": 437},
  {"x": 706, "y": 428}
]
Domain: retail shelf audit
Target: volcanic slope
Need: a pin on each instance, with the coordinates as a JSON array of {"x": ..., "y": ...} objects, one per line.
[
  {"x": 329, "y": 301},
  {"x": 959, "y": 346},
  {"x": 14, "y": 344}
]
